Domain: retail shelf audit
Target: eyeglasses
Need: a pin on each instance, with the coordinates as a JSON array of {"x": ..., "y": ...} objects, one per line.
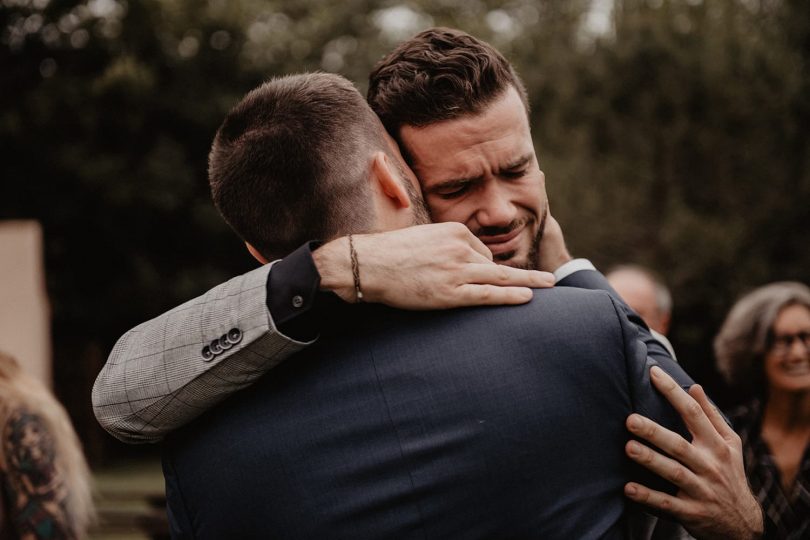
[{"x": 782, "y": 344}]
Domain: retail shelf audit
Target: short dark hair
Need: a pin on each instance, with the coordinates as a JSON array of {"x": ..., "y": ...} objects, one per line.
[
  {"x": 439, "y": 74},
  {"x": 289, "y": 163}
]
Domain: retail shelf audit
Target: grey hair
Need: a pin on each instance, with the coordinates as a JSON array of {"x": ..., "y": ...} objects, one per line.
[{"x": 745, "y": 336}]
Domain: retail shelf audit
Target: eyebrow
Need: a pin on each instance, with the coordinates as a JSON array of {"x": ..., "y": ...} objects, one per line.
[
  {"x": 519, "y": 162},
  {"x": 465, "y": 180}
]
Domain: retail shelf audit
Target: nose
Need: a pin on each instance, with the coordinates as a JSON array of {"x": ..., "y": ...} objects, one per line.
[
  {"x": 798, "y": 348},
  {"x": 495, "y": 207}
]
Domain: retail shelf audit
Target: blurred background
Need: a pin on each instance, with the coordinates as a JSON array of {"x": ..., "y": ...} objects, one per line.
[{"x": 673, "y": 134}]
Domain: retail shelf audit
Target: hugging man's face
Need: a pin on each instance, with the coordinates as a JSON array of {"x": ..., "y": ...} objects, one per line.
[{"x": 481, "y": 170}]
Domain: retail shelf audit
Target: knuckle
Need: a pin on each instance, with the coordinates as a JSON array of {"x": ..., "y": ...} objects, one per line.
[
  {"x": 694, "y": 410},
  {"x": 702, "y": 513},
  {"x": 681, "y": 448},
  {"x": 735, "y": 440},
  {"x": 725, "y": 453},
  {"x": 458, "y": 229},
  {"x": 649, "y": 429},
  {"x": 715, "y": 471},
  {"x": 678, "y": 475},
  {"x": 645, "y": 455},
  {"x": 485, "y": 294},
  {"x": 457, "y": 251}
]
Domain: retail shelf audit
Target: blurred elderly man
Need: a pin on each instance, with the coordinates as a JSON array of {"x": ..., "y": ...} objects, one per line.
[{"x": 647, "y": 294}]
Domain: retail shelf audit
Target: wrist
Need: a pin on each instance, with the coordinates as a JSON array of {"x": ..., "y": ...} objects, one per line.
[
  {"x": 757, "y": 530},
  {"x": 333, "y": 262}
]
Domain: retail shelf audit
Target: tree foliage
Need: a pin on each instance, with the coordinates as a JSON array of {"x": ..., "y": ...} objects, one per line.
[{"x": 675, "y": 136}]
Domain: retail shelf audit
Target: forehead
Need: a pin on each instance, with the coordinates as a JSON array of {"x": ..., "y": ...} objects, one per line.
[
  {"x": 472, "y": 144},
  {"x": 792, "y": 318}
]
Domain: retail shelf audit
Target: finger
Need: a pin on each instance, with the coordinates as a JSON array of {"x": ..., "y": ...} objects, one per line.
[
  {"x": 690, "y": 410},
  {"x": 498, "y": 274},
  {"x": 655, "y": 499},
  {"x": 668, "y": 441},
  {"x": 492, "y": 295},
  {"x": 717, "y": 419},
  {"x": 666, "y": 468},
  {"x": 477, "y": 244}
]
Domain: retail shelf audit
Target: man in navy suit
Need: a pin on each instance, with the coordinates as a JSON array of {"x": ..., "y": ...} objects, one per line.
[{"x": 476, "y": 423}]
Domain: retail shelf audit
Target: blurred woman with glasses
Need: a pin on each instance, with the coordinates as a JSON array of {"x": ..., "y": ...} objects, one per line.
[
  {"x": 763, "y": 349},
  {"x": 44, "y": 481}
]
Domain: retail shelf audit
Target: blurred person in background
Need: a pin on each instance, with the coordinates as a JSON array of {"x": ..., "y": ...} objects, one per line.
[
  {"x": 647, "y": 294},
  {"x": 763, "y": 349},
  {"x": 45, "y": 489}
]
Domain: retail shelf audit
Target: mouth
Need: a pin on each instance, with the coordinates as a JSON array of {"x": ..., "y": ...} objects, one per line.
[
  {"x": 798, "y": 369},
  {"x": 503, "y": 243}
]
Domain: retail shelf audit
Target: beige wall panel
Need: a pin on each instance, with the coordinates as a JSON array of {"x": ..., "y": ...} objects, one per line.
[{"x": 24, "y": 310}]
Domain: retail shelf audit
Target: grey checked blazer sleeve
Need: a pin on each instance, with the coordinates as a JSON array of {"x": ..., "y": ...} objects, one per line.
[{"x": 161, "y": 374}]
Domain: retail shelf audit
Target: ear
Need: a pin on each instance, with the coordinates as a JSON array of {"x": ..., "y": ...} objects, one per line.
[
  {"x": 389, "y": 181},
  {"x": 665, "y": 320},
  {"x": 256, "y": 254}
]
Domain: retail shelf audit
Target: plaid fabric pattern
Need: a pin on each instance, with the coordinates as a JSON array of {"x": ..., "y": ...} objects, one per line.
[
  {"x": 787, "y": 514},
  {"x": 157, "y": 379}
]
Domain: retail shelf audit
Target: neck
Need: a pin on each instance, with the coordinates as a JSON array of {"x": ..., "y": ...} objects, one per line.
[{"x": 788, "y": 411}]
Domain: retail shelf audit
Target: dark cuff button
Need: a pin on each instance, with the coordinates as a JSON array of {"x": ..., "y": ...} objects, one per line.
[
  {"x": 207, "y": 354},
  {"x": 225, "y": 343},
  {"x": 215, "y": 347},
  {"x": 234, "y": 335},
  {"x": 297, "y": 301}
]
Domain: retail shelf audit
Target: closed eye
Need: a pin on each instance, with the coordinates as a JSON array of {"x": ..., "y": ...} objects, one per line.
[
  {"x": 514, "y": 173},
  {"x": 452, "y": 192},
  {"x": 452, "y": 189}
]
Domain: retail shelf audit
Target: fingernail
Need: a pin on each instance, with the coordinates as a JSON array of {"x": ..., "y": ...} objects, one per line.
[
  {"x": 634, "y": 423},
  {"x": 630, "y": 489},
  {"x": 656, "y": 371},
  {"x": 633, "y": 448}
]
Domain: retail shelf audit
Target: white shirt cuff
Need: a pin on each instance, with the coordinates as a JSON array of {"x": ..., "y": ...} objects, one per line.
[{"x": 574, "y": 265}]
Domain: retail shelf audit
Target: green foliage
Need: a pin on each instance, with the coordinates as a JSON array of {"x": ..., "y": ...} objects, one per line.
[{"x": 676, "y": 137}]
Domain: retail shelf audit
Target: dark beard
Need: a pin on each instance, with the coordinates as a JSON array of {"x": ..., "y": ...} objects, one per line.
[{"x": 532, "y": 261}]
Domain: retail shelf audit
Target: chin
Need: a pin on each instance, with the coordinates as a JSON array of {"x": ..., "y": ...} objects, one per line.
[{"x": 523, "y": 263}]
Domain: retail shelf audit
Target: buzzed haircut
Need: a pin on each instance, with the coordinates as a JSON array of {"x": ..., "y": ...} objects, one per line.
[
  {"x": 290, "y": 163},
  {"x": 439, "y": 74}
]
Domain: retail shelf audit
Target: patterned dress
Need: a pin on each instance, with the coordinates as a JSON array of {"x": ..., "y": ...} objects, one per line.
[
  {"x": 787, "y": 514},
  {"x": 32, "y": 502}
]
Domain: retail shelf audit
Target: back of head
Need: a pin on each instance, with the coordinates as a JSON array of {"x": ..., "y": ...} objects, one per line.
[
  {"x": 744, "y": 338},
  {"x": 645, "y": 292},
  {"x": 439, "y": 74},
  {"x": 21, "y": 394},
  {"x": 290, "y": 162}
]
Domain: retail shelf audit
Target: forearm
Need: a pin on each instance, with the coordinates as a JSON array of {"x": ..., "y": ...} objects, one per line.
[
  {"x": 167, "y": 371},
  {"x": 436, "y": 266}
]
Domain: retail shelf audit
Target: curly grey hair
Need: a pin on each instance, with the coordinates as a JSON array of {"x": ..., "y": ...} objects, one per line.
[{"x": 746, "y": 334}]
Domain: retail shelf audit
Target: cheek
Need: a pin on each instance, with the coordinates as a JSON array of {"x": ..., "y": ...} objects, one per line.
[
  {"x": 770, "y": 367},
  {"x": 531, "y": 195},
  {"x": 442, "y": 210}
]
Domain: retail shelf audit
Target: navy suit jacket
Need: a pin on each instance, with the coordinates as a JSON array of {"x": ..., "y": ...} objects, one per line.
[{"x": 494, "y": 422}]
